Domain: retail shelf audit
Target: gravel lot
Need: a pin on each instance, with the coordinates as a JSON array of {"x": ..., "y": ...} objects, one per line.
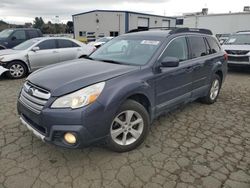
[{"x": 196, "y": 146}]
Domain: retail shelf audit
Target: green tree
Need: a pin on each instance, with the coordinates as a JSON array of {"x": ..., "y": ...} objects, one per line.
[{"x": 38, "y": 23}]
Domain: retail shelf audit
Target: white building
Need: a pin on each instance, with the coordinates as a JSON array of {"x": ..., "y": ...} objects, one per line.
[
  {"x": 217, "y": 23},
  {"x": 99, "y": 23}
]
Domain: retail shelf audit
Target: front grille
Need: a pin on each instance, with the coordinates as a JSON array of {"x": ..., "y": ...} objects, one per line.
[
  {"x": 237, "y": 52},
  {"x": 34, "y": 97},
  {"x": 238, "y": 59}
]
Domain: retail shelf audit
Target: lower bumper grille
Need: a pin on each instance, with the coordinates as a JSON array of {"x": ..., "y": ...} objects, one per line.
[{"x": 238, "y": 59}]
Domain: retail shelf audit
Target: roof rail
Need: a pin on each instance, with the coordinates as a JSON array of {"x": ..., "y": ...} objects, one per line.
[
  {"x": 150, "y": 28},
  {"x": 243, "y": 31},
  {"x": 175, "y": 30}
]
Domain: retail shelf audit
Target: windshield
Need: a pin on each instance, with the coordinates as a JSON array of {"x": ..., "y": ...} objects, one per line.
[
  {"x": 127, "y": 51},
  {"x": 27, "y": 44},
  {"x": 239, "y": 39},
  {"x": 5, "y": 33}
]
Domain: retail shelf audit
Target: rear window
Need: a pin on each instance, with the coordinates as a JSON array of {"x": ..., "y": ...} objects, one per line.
[
  {"x": 214, "y": 46},
  {"x": 63, "y": 43},
  {"x": 33, "y": 34},
  {"x": 198, "y": 46}
]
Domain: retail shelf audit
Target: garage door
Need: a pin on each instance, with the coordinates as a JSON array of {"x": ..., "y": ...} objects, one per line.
[
  {"x": 143, "y": 22},
  {"x": 165, "y": 23}
]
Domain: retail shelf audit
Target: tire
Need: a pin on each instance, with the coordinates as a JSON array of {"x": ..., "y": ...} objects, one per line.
[
  {"x": 135, "y": 129},
  {"x": 17, "y": 70},
  {"x": 214, "y": 90}
]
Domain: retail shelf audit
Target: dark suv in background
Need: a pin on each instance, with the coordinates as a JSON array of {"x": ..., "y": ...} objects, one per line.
[
  {"x": 10, "y": 38},
  {"x": 115, "y": 94}
]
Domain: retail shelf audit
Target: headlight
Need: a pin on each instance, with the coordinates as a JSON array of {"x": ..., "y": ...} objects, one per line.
[
  {"x": 80, "y": 98},
  {"x": 1, "y": 58}
]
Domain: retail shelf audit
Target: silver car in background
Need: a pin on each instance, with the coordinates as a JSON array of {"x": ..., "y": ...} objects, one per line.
[
  {"x": 40, "y": 52},
  {"x": 238, "y": 49}
]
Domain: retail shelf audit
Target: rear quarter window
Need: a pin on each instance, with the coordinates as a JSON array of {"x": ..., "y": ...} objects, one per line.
[{"x": 213, "y": 44}]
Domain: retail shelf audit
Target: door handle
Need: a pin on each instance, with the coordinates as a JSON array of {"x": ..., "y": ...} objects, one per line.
[
  {"x": 78, "y": 50},
  {"x": 196, "y": 67},
  {"x": 55, "y": 52},
  {"x": 189, "y": 69}
]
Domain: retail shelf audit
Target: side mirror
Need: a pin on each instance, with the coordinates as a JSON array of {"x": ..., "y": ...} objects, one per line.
[
  {"x": 170, "y": 62},
  {"x": 36, "y": 48},
  {"x": 13, "y": 38},
  {"x": 221, "y": 42}
]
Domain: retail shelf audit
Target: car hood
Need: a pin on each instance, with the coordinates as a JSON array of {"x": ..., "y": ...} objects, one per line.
[
  {"x": 236, "y": 47},
  {"x": 70, "y": 76},
  {"x": 8, "y": 52}
]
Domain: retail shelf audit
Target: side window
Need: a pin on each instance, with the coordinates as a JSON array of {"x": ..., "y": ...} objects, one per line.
[
  {"x": 33, "y": 34},
  {"x": 19, "y": 35},
  {"x": 198, "y": 46},
  {"x": 48, "y": 44},
  {"x": 177, "y": 48},
  {"x": 63, "y": 43},
  {"x": 214, "y": 46},
  {"x": 74, "y": 44}
]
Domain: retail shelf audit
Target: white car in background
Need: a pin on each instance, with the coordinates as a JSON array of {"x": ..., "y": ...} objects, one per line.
[
  {"x": 40, "y": 52},
  {"x": 238, "y": 48},
  {"x": 99, "y": 42}
]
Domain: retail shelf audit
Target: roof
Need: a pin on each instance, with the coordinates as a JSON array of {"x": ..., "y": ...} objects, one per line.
[
  {"x": 22, "y": 29},
  {"x": 217, "y": 14},
  {"x": 123, "y": 11}
]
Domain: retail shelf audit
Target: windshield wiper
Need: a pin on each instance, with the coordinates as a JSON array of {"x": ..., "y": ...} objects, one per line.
[{"x": 110, "y": 61}]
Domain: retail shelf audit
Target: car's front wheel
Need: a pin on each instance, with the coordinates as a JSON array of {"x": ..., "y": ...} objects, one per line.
[
  {"x": 16, "y": 70},
  {"x": 129, "y": 127}
]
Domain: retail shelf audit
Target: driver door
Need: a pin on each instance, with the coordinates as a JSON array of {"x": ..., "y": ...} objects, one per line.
[
  {"x": 46, "y": 55},
  {"x": 174, "y": 84}
]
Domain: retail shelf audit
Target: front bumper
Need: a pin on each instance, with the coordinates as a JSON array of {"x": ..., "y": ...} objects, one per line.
[
  {"x": 238, "y": 60},
  {"x": 3, "y": 70},
  {"x": 89, "y": 124}
]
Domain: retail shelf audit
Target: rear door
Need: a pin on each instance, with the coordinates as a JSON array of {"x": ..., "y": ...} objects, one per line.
[
  {"x": 67, "y": 49},
  {"x": 202, "y": 64},
  {"x": 46, "y": 55},
  {"x": 173, "y": 85}
]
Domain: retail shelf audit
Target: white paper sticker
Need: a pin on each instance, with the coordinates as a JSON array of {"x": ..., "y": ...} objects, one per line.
[{"x": 150, "y": 42}]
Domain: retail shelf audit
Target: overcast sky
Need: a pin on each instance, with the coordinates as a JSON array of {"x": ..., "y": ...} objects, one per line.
[{"x": 20, "y": 11}]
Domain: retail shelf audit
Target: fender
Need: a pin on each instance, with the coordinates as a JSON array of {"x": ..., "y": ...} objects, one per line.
[{"x": 124, "y": 89}]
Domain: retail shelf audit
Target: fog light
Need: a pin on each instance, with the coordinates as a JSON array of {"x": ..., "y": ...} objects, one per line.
[{"x": 70, "y": 138}]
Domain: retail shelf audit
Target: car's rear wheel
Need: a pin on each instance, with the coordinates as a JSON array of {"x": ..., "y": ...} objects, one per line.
[
  {"x": 129, "y": 127},
  {"x": 16, "y": 70},
  {"x": 214, "y": 90}
]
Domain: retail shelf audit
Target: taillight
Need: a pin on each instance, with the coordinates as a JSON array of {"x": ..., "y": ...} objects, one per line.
[{"x": 225, "y": 56}]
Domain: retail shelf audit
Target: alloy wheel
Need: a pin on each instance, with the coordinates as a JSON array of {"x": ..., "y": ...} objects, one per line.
[
  {"x": 127, "y": 127},
  {"x": 16, "y": 70},
  {"x": 214, "y": 91}
]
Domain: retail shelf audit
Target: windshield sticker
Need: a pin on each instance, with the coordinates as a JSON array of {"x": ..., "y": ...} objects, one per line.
[
  {"x": 150, "y": 42},
  {"x": 231, "y": 40}
]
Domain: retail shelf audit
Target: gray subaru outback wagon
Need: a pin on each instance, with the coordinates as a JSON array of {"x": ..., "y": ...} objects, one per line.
[{"x": 113, "y": 96}]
